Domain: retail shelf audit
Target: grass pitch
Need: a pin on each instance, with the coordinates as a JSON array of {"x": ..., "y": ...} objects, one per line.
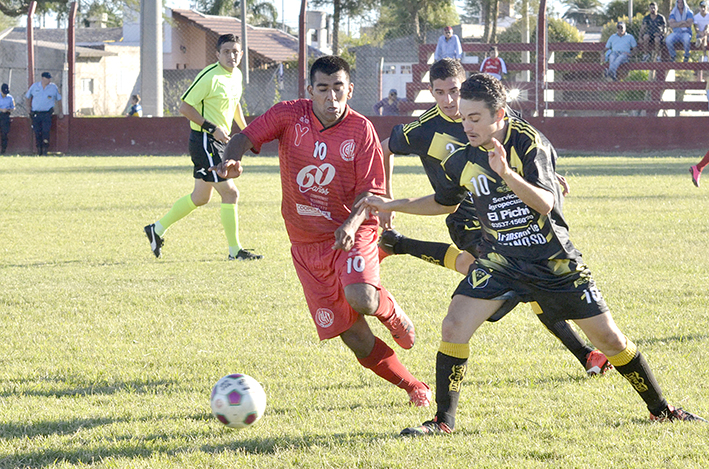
[{"x": 108, "y": 355}]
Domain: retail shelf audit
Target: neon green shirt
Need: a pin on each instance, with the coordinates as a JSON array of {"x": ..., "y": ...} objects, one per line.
[{"x": 215, "y": 93}]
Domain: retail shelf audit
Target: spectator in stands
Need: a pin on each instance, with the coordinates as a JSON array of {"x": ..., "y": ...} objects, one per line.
[
  {"x": 136, "y": 110},
  {"x": 701, "y": 21},
  {"x": 652, "y": 32},
  {"x": 390, "y": 105},
  {"x": 619, "y": 47},
  {"x": 681, "y": 20},
  {"x": 493, "y": 64},
  {"x": 448, "y": 46},
  {"x": 7, "y": 105}
]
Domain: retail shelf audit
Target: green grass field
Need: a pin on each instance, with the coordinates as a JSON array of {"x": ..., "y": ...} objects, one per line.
[{"x": 108, "y": 355}]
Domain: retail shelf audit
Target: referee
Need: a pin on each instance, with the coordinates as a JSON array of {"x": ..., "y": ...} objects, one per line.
[
  {"x": 42, "y": 97},
  {"x": 211, "y": 103}
]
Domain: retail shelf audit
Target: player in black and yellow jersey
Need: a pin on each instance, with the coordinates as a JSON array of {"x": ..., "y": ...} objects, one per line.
[
  {"x": 433, "y": 137},
  {"x": 509, "y": 170}
]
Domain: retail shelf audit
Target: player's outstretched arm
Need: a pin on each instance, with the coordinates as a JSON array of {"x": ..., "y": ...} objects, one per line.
[
  {"x": 230, "y": 167},
  {"x": 416, "y": 206},
  {"x": 345, "y": 233}
]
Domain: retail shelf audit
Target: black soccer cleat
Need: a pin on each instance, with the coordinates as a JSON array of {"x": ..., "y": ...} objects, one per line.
[
  {"x": 156, "y": 241},
  {"x": 245, "y": 255},
  {"x": 670, "y": 414},
  {"x": 429, "y": 427},
  {"x": 388, "y": 241}
]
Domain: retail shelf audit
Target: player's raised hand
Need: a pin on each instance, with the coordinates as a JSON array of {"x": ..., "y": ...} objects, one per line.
[
  {"x": 228, "y": 169},
  {"x": 497, "y": 158}
]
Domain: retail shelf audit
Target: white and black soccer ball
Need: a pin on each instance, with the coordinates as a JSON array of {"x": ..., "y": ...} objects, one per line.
[{"x": 238, "y": 401}]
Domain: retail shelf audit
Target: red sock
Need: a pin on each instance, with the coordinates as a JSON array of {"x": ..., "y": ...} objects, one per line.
[
  {"x": 385, "y": 364},
  {"x": 703, "y": 163},
  {"x": 386, "y": 305}
]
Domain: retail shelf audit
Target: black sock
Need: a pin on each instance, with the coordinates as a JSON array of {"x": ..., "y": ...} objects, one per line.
[
  {"x": 450, "y": 372},
  {"x": 563, "y": 331},
  {"x": 638, "y": 373},
  {"x": 429, "y": 251}
]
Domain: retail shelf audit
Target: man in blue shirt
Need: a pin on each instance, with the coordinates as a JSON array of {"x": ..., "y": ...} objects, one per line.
[
  {"x": 7, "y": 105},
  {"x": 448, "y": 46},
  {"x": 618, "y": 50},
  {"x": 42, "y": 97},
  {"x": 681, "y": 21}
]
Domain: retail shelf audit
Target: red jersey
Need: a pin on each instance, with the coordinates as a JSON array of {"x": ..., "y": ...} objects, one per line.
[
  {"x": 495, "y": 66},
  {"x": 322, "y": 170}
]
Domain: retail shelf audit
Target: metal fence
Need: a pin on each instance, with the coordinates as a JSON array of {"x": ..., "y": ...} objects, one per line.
[{"x": 570, "y": 79}]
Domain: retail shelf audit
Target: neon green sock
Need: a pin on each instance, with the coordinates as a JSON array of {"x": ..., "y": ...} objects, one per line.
[
  {"x": 230, "y": 222},
  {"x": 180, "y": 210}
]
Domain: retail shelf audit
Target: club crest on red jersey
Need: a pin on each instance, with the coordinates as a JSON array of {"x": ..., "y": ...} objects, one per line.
[{"x": 347, "y": 150}]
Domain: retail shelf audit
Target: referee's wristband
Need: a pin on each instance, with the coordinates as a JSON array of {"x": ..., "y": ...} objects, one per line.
[{"x": 208, "y": 127}]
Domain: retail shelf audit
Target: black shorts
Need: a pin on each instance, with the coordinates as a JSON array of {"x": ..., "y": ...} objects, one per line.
[
  {"x": 464, "y": 230},
  {"x": 205, "y": 152},
  {"x": 564, "y": 288}
]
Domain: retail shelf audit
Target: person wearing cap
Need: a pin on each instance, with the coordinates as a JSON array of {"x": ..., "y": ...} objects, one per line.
[
  {"x": 448, "y": 46},
  {"x": 681, "y": 20},
  {"x": 390, "y": 105},
  {"x": 43, "y": 96},
  {"x": 7, "y": 105},
  {"x": 652, "y": 32},
  {"x": 618, "y": 49},
  {"x": 701, "y": 21}
]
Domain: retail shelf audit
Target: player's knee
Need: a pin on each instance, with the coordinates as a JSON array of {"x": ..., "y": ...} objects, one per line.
[{"x": 362, "y": 297}]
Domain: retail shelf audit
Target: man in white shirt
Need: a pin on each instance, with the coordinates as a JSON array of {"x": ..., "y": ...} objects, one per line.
[{"x": 701, "y": 21}]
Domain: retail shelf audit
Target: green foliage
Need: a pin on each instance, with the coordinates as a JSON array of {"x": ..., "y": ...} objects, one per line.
[
  {"x": 637, "y": 95},
  {"x": 349, "y": 42},
  {"x": 413, "y": 17},
  {"x": 558, "y": 30},
  {"x": 109, "y": 355},
  {"x": 619, "y": 8},
  {"x": 262, "y": 14}
]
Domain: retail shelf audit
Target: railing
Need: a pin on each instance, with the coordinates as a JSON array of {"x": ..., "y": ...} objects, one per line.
[{"x": 575, "y": 82}]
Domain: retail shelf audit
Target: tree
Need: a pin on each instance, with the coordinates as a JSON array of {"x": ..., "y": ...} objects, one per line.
[
  {"x": 619, "y": 8},
  {"x": 581, "y": 10},
  {"x": 341, "y": 9},
  {"x": 415, "y": 17},
  {"x": 262, "y": 14}
]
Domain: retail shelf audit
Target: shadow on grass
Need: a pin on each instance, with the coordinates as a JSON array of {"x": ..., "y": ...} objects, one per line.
[{"x": 104, "y": 389}]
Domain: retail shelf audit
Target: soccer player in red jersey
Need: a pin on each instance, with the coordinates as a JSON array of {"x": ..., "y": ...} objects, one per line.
[{"x": 330, "y": 158}]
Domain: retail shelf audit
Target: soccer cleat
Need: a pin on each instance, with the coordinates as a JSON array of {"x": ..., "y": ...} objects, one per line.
[
  {"x": 421, "y": 397},
  {"x": 597, "y": 364},
  {"x": 388, "y": 241},
  {"x": 429, "y": 427},
  {"x": 400, "y": 326},
  {"x": 671, "y": 414},
  {"x": 245, "y": 255},
  {"x": 156, "y": 241},
  {"x": 696, "y": 174}
]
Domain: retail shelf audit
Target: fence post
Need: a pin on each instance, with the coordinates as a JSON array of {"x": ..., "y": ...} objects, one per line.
[{"x": 541, "y": 69}]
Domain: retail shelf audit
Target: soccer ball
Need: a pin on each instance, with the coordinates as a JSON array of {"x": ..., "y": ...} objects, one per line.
[{"x": 238, "y": 401}]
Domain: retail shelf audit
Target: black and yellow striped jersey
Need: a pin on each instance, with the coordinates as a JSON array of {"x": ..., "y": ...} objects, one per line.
[
  {"x": 433, "y": 137},
  {"x": 509, "y": 226}
]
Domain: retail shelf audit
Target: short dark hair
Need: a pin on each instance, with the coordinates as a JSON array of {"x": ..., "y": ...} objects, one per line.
[
  {"x": 486, "y": 88},
  {"x": 652, "y": 3},
  {"x": 328, "y": 65},
  {"x": 136, "y": 97},
  {"x": 227, "y": 38},
  {"x": 446, "y": 68}
]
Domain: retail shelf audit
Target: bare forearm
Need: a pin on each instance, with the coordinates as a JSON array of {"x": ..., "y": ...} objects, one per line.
[
  {"x": 418, "y": 206},
  {"x": 534, "y": 197},
  {"x": 238, "y": 145}
]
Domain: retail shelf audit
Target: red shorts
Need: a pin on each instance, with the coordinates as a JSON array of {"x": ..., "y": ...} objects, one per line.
[{"x": 324, "y": 273}]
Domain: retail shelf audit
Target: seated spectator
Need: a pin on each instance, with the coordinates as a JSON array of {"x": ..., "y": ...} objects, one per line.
[
  {"x": 652, "y": 32},
  {"x": 493, "y": 64},
  {"x": 618, "y": 49},
  {"x": 390, "y": 105},
  {"x": 701, "y": 21},
  {"x": 681, "y": 20},
  {"x": 448, "y": 46}
]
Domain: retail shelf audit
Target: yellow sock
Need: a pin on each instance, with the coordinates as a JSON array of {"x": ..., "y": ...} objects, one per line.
[
  {"x": 624, "y": 357},
  {"x": 461, "y": 351},
  {"x": 451, "y": 255},
  {"x": 183, "y": 207}
]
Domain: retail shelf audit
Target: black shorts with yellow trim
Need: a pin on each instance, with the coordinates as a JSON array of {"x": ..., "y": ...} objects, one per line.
[
  {"x": 464, "y": 231},
  {"x": 564, "y": 288},
  {"x": 205, "y": 152}
]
